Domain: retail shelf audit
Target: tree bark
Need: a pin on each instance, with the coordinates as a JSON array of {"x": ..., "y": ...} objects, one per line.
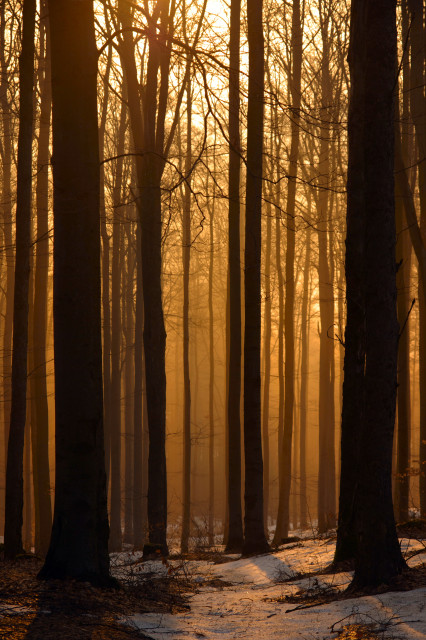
[
  {"x": 40, "y": 422},
  {"x": 15, "y": 449},
  {"x": 129, "y": 379},
  {"x": 283, "y": 517},
  {"x": 139, "y": 470},
  {"x": 7, "y": 228},
  {"x": 211, "y": 366},
  {"x": 326, "y": 449},
  {"x": 79, "y": 542},
  {"x": 254, "y": 532},
  {"x": 115, "y": 540},
  {"x": 304, "y": 381},
  {"x": 186, "y": 258},
  {"x": 418, "y": 114},
  {"x": 378, "y": 554},
  {"x": 267, "y": 366},
  {"x": 234, "y": 539},
  {"x": 149, "y": 150}
]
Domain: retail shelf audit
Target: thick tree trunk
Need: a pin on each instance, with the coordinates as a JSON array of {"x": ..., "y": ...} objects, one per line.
[
  {"x": 234, "y": 538},
  {"x": 354, "y": 361},
  {"x": 378, "y": 555},
  {"x": 254, "y": 532},
  {"x": 79, "y": 542},
  {"x": 15, "y": 449}
]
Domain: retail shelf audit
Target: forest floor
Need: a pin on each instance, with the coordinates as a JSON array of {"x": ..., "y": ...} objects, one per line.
[{"x": 287, "y": 594}]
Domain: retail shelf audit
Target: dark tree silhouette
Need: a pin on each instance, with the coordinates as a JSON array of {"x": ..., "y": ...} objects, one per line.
[
  {"x": 79, "y": 542},
  {"x": 235, "y": 522},
  {"x": 15, "y": 449},
  {"x": 372, "y": 327},
  {"x": 254, "y": 533}
]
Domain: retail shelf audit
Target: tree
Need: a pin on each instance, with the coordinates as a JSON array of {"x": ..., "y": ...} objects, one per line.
[
  {"x": 283, "y": 517},
  {"x": 326, "y": 448},
  {"x": 15, "y": 449},
  {"x": 79, "y": 542},
  {"x": 115, "y": 540},
  {"x": 371, "y": 229},
  {"x": 40, "y": 421},
  {"x": 186, "y": 260},
  {"x": 235, "y": 523},
  {"x": 254, "y": 532}
]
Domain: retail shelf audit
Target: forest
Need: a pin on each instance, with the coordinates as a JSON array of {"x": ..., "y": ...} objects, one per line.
[{"x": 212, "y": 316}]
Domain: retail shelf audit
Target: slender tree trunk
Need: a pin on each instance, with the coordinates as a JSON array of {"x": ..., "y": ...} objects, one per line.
[
  {"x": 211, "y": 366},
  {"x": 115, "y": 539},
  {"x": 186, "y": 256},
  {"x": 418, "y": 114},
  {"x": 403, "y": 259},
  {"x": 7, "y": 219},
  {"x": 40, "y": 422},
  {"x": 254, "y": 531},
  {"x": 15, "y": 449},
  {"x": 139, "y": 489},
  {"x": 28, "y": 520},
  {"x": 326, "y": 473},
  {"x": 79, "y": 542},
  {"x": 105, "y": 279},
  {"x": 267, "y": 367},
  {"x": 283, "y": 516},
  {"x": 304, "y": 382},
  {"x": 129, "y": 377},
  {"x": 234, "y": 539},
  {"x": 149, "y": 167}
]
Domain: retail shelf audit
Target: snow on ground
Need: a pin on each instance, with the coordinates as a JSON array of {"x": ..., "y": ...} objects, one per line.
[{"x": 249, "y": 605}]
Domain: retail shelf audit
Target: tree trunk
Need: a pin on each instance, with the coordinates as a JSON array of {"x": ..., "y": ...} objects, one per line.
[
  {"x": 139, "y": 489},
  {"x": 6, "y": 205},
  {"x": 105, "y": 279},
  {"x": 186, "y": 256},
  {"x": 304, "y": 381},
  {"x": 15, "y": 449},
  {"x": 418, "y": 114},
  {"x": 211, "y": 367},
  {"x": 373, "y": 55},
  {"x": 283, "y": 516},
  {"x": 149, "y": 168},
  {"x": 234, "y": 539},
  {"x": 267, "y": 367},
  {"x": 403, "y": 258},
  {"x": 326, "y": 449},
  {"x": 254, "y": 532},
  {"x": 79, "y": 542},
  {"x": 115, "y": 540},
  {"x": 129, "y": 380},
  {"x": 40, "y": 422}
]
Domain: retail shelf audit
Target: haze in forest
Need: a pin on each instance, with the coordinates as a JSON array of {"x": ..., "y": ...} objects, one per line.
[{"x": 183, "y": 310}]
